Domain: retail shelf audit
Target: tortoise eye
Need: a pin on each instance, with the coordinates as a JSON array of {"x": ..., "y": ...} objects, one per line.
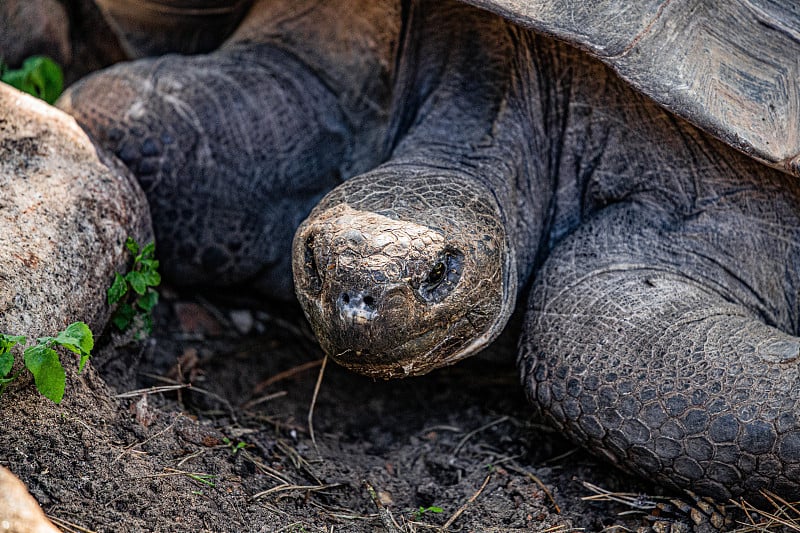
[
  {"x": 443, "y": 277},
  {"x": 437, "y": 274}
]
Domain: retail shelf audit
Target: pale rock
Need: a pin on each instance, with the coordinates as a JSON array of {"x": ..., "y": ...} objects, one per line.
[{"x": 65, "y": 212}]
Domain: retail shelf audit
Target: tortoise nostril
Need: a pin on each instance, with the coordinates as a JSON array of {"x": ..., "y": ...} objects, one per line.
[
  {"x": 356, "y": 309},
  {"x": 353, "y": 300}
]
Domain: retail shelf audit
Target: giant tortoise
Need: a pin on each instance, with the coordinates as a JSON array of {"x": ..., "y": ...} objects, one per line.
[{"x": 627, "y": 171}]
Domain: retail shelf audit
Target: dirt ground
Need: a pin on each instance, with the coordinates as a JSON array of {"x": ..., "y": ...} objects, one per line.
[{"x": 205, "y": 427}]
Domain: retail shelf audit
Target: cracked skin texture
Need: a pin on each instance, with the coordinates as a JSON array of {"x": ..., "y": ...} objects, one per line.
[
  {"x": 234, "y": 148},
  {"x": 660, "y": 328},
  {"x": 658, "y": 266}
]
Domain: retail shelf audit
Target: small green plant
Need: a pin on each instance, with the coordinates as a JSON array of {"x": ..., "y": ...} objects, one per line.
[
  {"x": 43, "y": 361},
  {"x": 205, "y": 479},
  {"x": 422, "y": 510},
  {"x": 134, "y": 292},
  {"x": 39, "y": 76},
  {"x": 240, "y": 445}
]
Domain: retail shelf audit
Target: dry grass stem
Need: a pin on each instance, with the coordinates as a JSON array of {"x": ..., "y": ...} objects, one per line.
[
  {"x": 538, "y": 482},
  {"x": 558, "y": 458},
  {"x": 130, "y": 447},
  {"x": 69, "y": 527},
  {"x": 264, "y": 469},
  {"x": 472, "y": 498},
  {"x": 786, "y": 514},
  {"x": 191, "y": 456},
  {"x": 314, "y": 402},
  {"x": 474, "y": 432},
  {"x": 288, "y": 486},
  {"x": 181, "y": 386},
  {"x": 201, "y": 477},
  {"x": 286, "y": 374},
  {"x": 384, "y": 514},
  {"x": 152, "y": 390},
  {"x": 298, "y": 461},
  {"x": 631, "y": 499},
  {"x": 262, "y": 399}
]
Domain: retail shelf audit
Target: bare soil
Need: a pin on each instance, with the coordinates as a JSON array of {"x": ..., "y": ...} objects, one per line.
[{"x": 205, "y": 427}]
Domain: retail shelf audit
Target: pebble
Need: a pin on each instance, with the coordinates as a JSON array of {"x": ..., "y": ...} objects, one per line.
[{"x": 242, "y": 320}]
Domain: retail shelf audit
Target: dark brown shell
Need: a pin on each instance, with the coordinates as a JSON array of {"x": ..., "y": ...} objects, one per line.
[{"x": 732, "y": 67}]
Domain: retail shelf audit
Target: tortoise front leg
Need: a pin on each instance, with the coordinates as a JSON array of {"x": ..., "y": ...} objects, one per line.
[
  {"x": 235, "y": 147},
  {"x": 667, "y": 343}
]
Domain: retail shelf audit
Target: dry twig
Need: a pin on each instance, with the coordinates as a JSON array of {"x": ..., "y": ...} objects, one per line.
[
  {"x": 386, "y": 517},
  {"x": 463, "y": 508},
  {"x": 152, "y": 390},
  {"x": 290, "y": 486},
  {"x": 286, "y": 374},
  {"x": 68, "y": 527},
  {"x": 786, "y": 515},
  {"x": 142, "y": 443},
  {"x": 314, "y": 402},
  {"x": 538, "y": 481},
  {"x": 476, "y": 431}
]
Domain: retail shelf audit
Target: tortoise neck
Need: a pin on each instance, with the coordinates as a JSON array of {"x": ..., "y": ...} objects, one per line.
[{"x": 462, "y": 104}]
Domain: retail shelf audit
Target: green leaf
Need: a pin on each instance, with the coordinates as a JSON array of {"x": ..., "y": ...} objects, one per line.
[
  {"x": 137, "y": 281},
  {"x": 149, "y": 264},
  {"x": 6, "y": 363},
  {"x": 148, "y": 251},
  {"x": 151, "y": 278},
  {"x": 117, "y": 290},
  {"x": 132, "y": 245},
  {"x": 77, "y": 338},
  {"x": 39, "y": 76},
  {"x": 6, "y": 357},
  {"x": 48, "y": 374},
  {"x": 123, "y": 316},
  {"x": 148, "y": 301},
  {"x": 80, "y": 332},
  {"x": 9, "y": 341}
]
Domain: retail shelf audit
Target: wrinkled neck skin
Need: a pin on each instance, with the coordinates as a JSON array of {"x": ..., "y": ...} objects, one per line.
[
  {"x": 417, "y": 264},
  {"x": 469, "y": 106},
  {"x": 501, "y": 143}
]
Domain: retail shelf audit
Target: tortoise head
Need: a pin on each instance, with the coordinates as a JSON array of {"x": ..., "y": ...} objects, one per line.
[{"x": 399, "y": 275}]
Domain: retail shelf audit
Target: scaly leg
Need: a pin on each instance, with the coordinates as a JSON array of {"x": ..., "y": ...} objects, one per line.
[
  {"x": 666, "y": 341},
  {"x": 233, "y": 148}
]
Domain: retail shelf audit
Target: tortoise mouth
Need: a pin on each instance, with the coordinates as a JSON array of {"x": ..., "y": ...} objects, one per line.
[
  {"x": 419, "y": 355},
  {"x": 374, "y": 364}
]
